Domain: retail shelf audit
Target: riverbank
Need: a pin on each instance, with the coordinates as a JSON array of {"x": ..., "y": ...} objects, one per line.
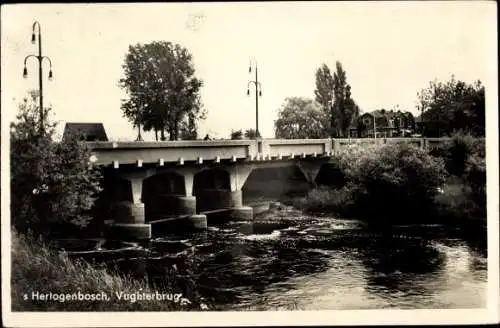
[
  {"x": 400, "y": 184},
  {"x": 44, "y": 279}
]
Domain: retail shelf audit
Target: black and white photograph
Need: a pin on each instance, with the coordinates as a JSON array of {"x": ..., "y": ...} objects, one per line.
[{"x": 249, "y": 163}]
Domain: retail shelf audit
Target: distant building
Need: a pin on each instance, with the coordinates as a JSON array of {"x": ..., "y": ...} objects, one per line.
[
  {"x": 386, "y": 124},
  {"x": 85, "y": 131}
]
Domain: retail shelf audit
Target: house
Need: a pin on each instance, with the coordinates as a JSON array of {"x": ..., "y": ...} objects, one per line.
[
  {"x": 85, "y": 131},
  {"x": 387, "y": 124}
]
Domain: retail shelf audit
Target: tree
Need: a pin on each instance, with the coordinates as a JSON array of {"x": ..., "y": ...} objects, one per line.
[
  {"x": 236, "y": 135},
  {"x": 251, "y": 134},
  {"x": 324, "y": 88},
  {"x": 301, "y": 118},
  {"x": 453, "y": 106},
  {"x": 163, "y": 91},
  {"x": 53, "y": 184},
  {"x": 334, "y": 95}
]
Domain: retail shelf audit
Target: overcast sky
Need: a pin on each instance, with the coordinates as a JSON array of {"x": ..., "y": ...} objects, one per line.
[{"x": 390, "y": 50}]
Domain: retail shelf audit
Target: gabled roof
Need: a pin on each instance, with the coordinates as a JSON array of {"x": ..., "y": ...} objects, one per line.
[{"x": 89, "y": 131}]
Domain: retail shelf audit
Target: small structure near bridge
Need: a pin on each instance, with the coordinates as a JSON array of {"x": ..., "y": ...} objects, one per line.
[{"x": 85, "y": 131}]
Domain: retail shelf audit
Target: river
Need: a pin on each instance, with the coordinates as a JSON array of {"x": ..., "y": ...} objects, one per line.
[{"x": 287, "y": 260}]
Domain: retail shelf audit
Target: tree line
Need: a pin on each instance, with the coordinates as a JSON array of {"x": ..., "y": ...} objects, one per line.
[
  {"x": 164, "y": 97},
  {"x": 445, "y": 108}
]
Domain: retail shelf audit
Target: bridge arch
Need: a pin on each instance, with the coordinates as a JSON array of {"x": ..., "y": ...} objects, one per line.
[
  {"x": 212, "y": 188},
  {"x": 211, "y": 179},
  {"x": 330, "y": 175},
  {"x": 160, "y": 193}
]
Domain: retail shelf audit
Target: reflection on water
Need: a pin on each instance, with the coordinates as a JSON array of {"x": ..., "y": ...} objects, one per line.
[{"x": 290, "y": 261}]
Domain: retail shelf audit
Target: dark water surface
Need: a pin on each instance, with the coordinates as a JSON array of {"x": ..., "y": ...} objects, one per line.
[{"x": 287, "y": 260}]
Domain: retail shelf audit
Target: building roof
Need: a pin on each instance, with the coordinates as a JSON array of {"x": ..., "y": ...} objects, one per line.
[
  {"x": 388, "y": 116},
  {"x": 89, "y": 131}
]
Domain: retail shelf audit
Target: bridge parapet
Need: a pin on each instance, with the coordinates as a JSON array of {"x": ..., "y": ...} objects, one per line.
[
  {"x": 297, "y": 147},
  {"x": 171, "y": 151},
  {"x": 118, "y": 153}
]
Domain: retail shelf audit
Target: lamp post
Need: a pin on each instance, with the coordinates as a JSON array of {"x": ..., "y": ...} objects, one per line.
[
  {"x": 258, "y": 93},
  {"x": 40, "y": 66},
  {"x": 141, "y": 104},
  {"x": 139, "y": 118}
]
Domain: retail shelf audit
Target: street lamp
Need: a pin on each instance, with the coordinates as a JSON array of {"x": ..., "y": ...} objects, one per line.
[
  {"x": 258, "y": 93},
  {"x": 140, "y": 108},
  {"x": 40, "y": 61}
]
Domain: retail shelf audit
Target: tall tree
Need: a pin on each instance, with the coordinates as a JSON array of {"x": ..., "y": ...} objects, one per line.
[
  {"x": 163, "y": 90},
  {"x": 453, "y": 106},
  {"x": 301, "y": 118},
  {"x": 334, "y": 95},
  {"x": 52, "y": 184},
  {"x": 324, "y": 88}
]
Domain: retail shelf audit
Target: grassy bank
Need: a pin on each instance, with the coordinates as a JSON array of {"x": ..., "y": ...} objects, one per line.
[
  {"x": 36, "y": 268},
  {"x": 400, "y": 184}
]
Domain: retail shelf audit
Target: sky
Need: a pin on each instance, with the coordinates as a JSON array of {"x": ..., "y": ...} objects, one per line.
[{"x": 390, "y": 51}]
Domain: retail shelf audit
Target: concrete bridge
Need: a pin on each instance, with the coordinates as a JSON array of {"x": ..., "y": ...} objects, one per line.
[{"x": 152, "y": 183}]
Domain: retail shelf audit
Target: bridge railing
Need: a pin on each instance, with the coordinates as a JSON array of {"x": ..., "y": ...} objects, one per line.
[{"x": 216, "y": 150}]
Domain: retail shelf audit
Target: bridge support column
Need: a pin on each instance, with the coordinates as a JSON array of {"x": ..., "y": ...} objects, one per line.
[
  {"x": 238, "y": 175},
  {"x": 129, "y": 216},
  {"x": 310, "y": 169},
  {"x": 188, "y": 203}
]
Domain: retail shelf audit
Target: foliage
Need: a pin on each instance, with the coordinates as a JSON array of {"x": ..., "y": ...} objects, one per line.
[
  {"x": 324, "y": 88},
  {"x": 459, "y": 151},
  {"x": 300, "y": 118},
  {"x": 334, "y": 95},
  {"x": 325, "y": 199},
  {"x": 251, "y": 134},
  {"x": 452, "y": 106},
  {"x": 37, "y": 267},
  {"x": 459, "y": 204},
  {"x": 52, "y": 183},
  {"x": 163, "y": 91},
  {"x": 465, "y": 159},
  {"x": 236, "y": 135},
  {"x": 385, "y": 184}
]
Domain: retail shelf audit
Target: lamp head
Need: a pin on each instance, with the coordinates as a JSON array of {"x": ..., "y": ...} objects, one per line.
[
  {"x": 248, "y": 92},
  {"x": 260, "y": 93},
  {"x": 33, "y": 38},
  {"x": 249, "y": 69},
  {"x": 50, "y": 75},
  {"x": 25, "y": 72}
]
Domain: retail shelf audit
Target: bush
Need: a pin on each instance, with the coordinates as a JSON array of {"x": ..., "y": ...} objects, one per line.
[
  {"x": 385, "y": 184},
  {"x": 52, "y": 183},
  {"x": 460, "y": 151},
  {"x": 457, "y": 205},
  {"x": 38, "y": 268},
  {"x": 465, "y": 160},
  {"x": 327, "y": 200}
]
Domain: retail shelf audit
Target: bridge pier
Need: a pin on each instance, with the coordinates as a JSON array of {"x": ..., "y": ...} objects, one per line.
[
  {"x": 129, "y": 216},
  {"x": 238, "y": 175},
  {"x": 310, "y": 170}
]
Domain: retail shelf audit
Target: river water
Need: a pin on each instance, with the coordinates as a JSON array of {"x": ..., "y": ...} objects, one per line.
[{"x": 287, "y": 260}]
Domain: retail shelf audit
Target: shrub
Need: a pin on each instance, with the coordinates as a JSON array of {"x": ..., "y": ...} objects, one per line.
[
  {"x": 458, "y": 205},
  {"x": 390, "y": 183},
  {"x": 459, "y": 150},
  {"x": 38, "y": 268},
  {"x": 52, "y": 183},
  {"x": 327, "y": 200}
]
